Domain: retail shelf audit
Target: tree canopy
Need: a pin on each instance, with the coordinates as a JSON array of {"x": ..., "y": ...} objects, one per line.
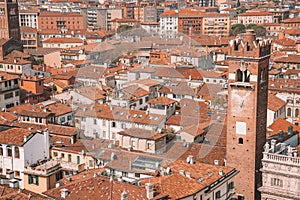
[{"x": 241, "y": 28}]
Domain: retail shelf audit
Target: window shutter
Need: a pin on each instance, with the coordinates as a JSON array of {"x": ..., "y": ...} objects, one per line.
[
  {"x": 29, "y": 179},
  {"x": 37, "y": 180}
]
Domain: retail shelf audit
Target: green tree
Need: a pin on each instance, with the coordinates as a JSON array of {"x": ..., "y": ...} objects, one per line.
[
  {"x": 237, "y": 29},
  {"x": 259, "y": 30},
  {"x": 124, "y": 28}
]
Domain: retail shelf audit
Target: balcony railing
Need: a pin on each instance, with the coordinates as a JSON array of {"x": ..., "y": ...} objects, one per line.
[{"x": 281, "y": 158}]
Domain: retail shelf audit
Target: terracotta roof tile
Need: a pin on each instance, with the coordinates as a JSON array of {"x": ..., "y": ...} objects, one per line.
[
  {"x": 162, "y": 101},
  {"x": 63, "y": 40},
  {"x": 275, "y": 103},
  {"x": 14, "y": 136}
]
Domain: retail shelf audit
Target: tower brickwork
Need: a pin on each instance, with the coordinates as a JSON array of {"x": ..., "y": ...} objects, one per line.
[
  {"x": 9, "y": 19},
  {"x": 247, "y": 110}
]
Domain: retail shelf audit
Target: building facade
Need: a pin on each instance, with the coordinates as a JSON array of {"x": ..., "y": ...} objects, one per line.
[
  {"x": 280, "y": 169},
  {"x": 9, "y": 90}
]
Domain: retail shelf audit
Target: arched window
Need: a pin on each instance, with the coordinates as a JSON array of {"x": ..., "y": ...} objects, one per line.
[
  {"x": 289, "y": 112},
  {"x": 297, "y": 112},
  {"x": 17, "y": 152},
  {"x": 239, "y": 75},
  {"x": 241, "y": 141},
  {"x": 1, "y": 150},
  {"x": 8, "y": 151}
]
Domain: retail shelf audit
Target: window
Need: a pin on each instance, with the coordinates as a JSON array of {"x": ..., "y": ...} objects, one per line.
[
  {"x": 78, "y": 160},
  {"x": 62, "y": 119},
  {"x": 241, "y": 141},
  {"x": 297, "y": 112},
  {"x": 218, "y": 194},
  {"x": 240, "y": 197},
  {"x": 8, "y": 150},
  {"x": 69, "y": 158},
  {"x": 58, "y": 175},
  {"x": 95, "y": 121},
  {"x": 69, "y": 117},
  {"x": 133, "y": 143},
  {"x": 103, "y": 123},
  {"x": 289, "y": 112},
  {"x": 113, "y": 124},
  {"x": 17, "y": 174},
  {"x": 141, "y": 101},
  {"x": 33, "y": 179},
  {"x": 55, "y": 154},
  {"x": 8, "y": 95},
  {"x": 230, "y": 186},
  {"x": 17, "y": 152},
  {"x": 62, "y": 155},
  {"x": 17, "y": 93},
  {"x": 1, "y": 150},
  {"x": 123, "y": 126},
  {"x": 276, "y": 182},
  {"x": 149, "y": 146}
]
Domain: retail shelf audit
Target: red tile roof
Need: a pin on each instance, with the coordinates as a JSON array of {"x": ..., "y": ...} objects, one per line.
[
  {"x": 275, "y": 103},
  {"x": 63, "y": 40},
  {"x": 162, "y": 101},
  {"x": 258, "y": 13},
  {"x": 14, "y": 136},
  {"x": 169, "y": 13}
]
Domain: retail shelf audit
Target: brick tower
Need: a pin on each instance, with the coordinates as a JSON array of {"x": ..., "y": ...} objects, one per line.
[
  {"x": 247, "y": 111},
  {"x": 9, "y": 19}
]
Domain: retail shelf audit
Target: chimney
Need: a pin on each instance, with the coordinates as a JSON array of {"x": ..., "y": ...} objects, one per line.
[
  {"x": 46, "y": 142},
  {"x": 25, "y": 138},
  {"x": 191, "y": 159},
  {"x": 64, "y": 193},
  {"x": 124, "y": 195},
  {"x": 221, "y": 173},
  {"x": 188, "y": 174},
  {"x": 149, "y": 190}
]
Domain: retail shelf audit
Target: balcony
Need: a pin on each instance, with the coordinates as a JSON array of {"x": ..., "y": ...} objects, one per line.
[{"x": 281, "y": 159}]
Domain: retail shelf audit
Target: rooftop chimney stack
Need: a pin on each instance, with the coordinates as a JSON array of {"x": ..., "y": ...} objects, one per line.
[
  {"x": 149, "y": 190},
  {"x": 64, "y": 193},
  {"x": 124, "y": 195}
]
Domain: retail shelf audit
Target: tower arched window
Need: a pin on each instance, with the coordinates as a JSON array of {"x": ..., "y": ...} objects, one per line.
[
  {"x": 241, "y": 141},
  {"x": 289, "y": 112},
  {"x": 243, "y": 76},
  {"x": 297, "y": 112}
]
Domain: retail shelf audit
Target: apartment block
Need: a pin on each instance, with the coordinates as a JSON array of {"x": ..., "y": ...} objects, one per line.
[
  {"x": 9, "y": 90},
  {"x": 28, "y": 18},
  {"x": 60, "y": 21}
]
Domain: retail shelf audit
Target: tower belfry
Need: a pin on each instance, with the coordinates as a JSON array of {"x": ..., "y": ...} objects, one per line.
[
  {"x": 9, "y": 19},
  {"x": 247, "y": 110}
]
